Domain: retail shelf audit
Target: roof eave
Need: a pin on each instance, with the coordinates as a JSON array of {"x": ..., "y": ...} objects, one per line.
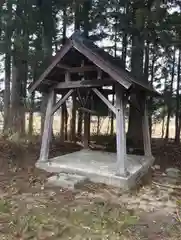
[{"x": 33, "y": 87}]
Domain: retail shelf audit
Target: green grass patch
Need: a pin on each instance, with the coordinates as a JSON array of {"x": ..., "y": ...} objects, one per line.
[{"x": 5, "y": 206}]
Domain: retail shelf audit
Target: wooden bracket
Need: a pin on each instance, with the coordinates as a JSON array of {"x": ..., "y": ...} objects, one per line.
[
  {"x": 61, "y": 101},
  {"x": 105, "y": 100}
]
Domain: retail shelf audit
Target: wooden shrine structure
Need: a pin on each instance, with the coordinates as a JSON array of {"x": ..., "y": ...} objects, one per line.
[{"x": 82, "y": 68}]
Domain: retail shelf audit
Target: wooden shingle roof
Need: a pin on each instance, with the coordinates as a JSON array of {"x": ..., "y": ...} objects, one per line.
[{"x": 75, "y": 49}]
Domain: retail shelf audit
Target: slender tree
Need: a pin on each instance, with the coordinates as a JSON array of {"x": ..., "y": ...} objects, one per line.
[
  {"x": 8, "y": 54},
  {"x": 177, "y": 114},
  {"x": 169, "y": 100}
]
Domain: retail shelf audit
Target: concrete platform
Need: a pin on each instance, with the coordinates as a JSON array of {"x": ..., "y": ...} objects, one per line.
[
  {"x": 99, "y": 167},
  {"x": 66, "y": 180}
]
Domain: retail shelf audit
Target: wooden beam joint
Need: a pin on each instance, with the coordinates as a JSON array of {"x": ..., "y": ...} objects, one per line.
[
  {"x": 61, "y": 101},
  {"x": 105, "y": 100}
]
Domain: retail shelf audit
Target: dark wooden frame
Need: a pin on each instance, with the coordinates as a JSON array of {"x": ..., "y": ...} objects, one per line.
[{"x": 117, "y": 78}]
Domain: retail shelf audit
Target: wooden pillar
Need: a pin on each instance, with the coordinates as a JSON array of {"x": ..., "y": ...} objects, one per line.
[
  {"x": 62, "y": 124},
  {"x": 146, "y": 130},
  {"x": 73, "y": 120},
  {"x": 47, "y": 131},
  {"x": 120, "y": 132},
  {"x": 112, "y": 114},
  {"x": 86, "y": 130},
  {"x": 98, "y": 125}
]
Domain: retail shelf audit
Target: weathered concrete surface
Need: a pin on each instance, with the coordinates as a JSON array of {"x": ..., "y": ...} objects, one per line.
[
  {"x": 66, "y": 180},
  {"x": 99, "y": 167}
]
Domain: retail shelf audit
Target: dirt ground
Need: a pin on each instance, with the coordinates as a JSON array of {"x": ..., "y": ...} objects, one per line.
[{"x": 30, "y": 209}]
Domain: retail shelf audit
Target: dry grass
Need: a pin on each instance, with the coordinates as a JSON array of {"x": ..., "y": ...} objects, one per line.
[
  {"x": 29, "y": 209},
  {"x": 104, "y": 123}
]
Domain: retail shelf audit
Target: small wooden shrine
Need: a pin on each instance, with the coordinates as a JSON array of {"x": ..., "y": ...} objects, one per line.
[{"x": 82, "y": 68}]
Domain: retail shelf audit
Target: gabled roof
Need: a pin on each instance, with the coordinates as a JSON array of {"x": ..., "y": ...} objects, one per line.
[{"x": 109, "y": 64}]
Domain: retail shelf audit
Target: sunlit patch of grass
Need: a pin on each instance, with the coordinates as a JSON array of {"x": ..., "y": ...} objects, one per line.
[{"x": 5, "y": 206}]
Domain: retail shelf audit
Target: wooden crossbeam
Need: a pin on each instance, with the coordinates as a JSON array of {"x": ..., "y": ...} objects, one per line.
[
  {"x": 105, "y": 100},
  {"x": 64, "y": 91},
  {"x": 49, "y": 82},
  {"x": 61, "y": 101},
  {"x": 83, "y": 84},
  {"x": 63, "y": 66},
  {"x": 88, "y": 110},
  {"x": 77, "y": 69}
]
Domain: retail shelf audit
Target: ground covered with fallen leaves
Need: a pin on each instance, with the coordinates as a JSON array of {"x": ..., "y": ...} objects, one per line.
[{"x": 30, "y": 209}]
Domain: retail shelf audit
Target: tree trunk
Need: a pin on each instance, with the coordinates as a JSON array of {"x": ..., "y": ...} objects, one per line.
[
  {"x": 7, "y": 93},
  {"x": 169, "y": 100},
  {"x": 24, "y": 73},
  {"x": 135, "y": 134},
  {"x": 179, "y": 125},
  {"x": 63, "y": 128},
  {"x": 163, "y": 127},
  {"x": 77, "y": 15},
  {"x": 31, "y": 113},
  {"x": 17, "y": 73},
  {"x": 150, "y": 103},
  {"x": 146, "y": 75},
  {"x": 48, "y": 28},
  {"x": 8, "y": 35},
  {"x": 77, "y": 21},
  {"x": 125, "y": 40},
  {"x": 113, "y": 87},
  {"x": 78, "y": 9},
  {"x": 177, "y": 114},
  {"x": 15, "y": 100}
]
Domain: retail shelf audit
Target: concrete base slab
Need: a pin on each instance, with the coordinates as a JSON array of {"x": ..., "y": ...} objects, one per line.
[
  {"x": 65, "y": 180},
  {"x": 99, "y": 167}
]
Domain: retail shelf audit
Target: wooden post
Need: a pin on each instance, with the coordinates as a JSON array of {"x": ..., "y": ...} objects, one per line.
[
  {"x": 62, "y": 124},
  {"x": 112, "y": 114},
  {"x": 146, "y": 131},
  {"x": 47, "y": 132},
  {"x": 98, "y": 125},
  {"x": 120, "y": 132},
  {"x": 73, "y": 120},
  {"x": 86, "y": 130}
]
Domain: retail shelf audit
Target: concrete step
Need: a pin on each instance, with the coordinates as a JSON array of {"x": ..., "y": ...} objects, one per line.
[{"x": 66, "y": 180}]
